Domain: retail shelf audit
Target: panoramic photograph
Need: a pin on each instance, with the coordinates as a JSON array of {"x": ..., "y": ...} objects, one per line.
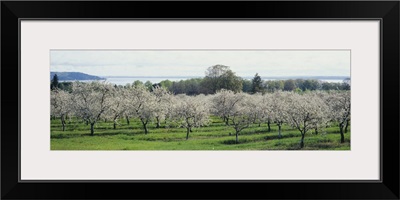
[{"x": 200, "y": 100}]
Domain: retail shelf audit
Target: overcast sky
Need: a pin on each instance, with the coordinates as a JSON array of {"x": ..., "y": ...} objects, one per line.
[{"x": 195, "y": 63}]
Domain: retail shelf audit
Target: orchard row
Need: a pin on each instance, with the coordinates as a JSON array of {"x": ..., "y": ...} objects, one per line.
[{"x": 94, "y": 101}]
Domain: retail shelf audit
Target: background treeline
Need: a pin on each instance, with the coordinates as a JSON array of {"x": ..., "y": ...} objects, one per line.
[{"x": 222, "y": 77}]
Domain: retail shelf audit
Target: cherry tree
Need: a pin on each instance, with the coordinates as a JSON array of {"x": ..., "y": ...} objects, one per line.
[
  {"x": 163, "y": 101},
  {"x": 142, "y": 104},
  {"x": 259, "y": 108},
  {"x": 128, "y": 112},
  {"x": 305, "y": 112},
  {"x": 278, "y": 107},
  {"x": 117, "y": 107},
  {"x": 222, "y": 103},
  {"x": 267, "y": 110},
  {"x": 91, "y": 100},
  {"x": 339, "y": 103},
  {"x": 327, "y": 119},
  {"x": 191, "y": 112},
  {"x": 241, "y": 113},
  {"x": 60, "y": 102},
  {"x": 170, "y": 110}
]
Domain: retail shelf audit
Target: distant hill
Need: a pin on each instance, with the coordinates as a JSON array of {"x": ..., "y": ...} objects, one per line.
[{"x": 72, "y": 76}]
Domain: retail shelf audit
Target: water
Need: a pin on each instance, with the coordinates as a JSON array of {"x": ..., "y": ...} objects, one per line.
[{"x": 125, "y": 80}]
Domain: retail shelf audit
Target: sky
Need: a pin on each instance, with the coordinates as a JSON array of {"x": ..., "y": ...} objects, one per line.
[{"x": 195, "y": 62}]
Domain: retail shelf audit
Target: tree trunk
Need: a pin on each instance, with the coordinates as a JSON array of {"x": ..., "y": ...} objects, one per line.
[
  {"x": 259, "y": 124},
  {"x": 302, "y": 141},
  {"x": 227, "y": 121},
  {"x": 316, "y": 131},
  {"x": 144, "y": 126},
  {"x": 115, "y": 125},
  {"x": 237, "y": 137},
  {"x": 341, "y": 134},
  {"x": 269, "y": 126},
  {"x": 63, "y": 122},
  {"x": 91, "y": 129},
  {"x": 279, "y": 131},
  {"x": 187, "y": 133},
  {"x": 158, "y": 122},
  {"x": 347, "y": 125},
  {"x": 87, "y": 122},
  {"x": 127, "y": 120}
]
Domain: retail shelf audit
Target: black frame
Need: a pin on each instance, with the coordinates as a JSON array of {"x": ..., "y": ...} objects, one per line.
[{"x": 386, "y": 11}]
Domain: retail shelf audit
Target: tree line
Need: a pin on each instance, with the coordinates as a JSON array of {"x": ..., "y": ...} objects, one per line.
[
  {"x": 94, "y": 101},
  {"x": 219, "y": 77}
]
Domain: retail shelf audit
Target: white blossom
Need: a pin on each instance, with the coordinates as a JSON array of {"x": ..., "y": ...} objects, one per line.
[
  {"x": 91, "y": 100},
  {"x": 305, "y": 112},
  {"x": 118, "y": 106},
  {"x": 339, "y": 103},
  {"x": 163, "y": 102},
  {"x": 143, "y": 104},
  {"x": 191, "y": 112},
  {"x": 60, "y": 105}
]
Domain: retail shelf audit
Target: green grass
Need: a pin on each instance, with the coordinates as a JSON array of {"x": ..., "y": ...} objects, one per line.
[{"x": 216, "y": 136}]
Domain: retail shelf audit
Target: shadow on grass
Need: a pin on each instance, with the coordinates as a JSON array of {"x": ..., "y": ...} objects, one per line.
[
  {"x": 151, "y": 139},
  {"x": 230, "y": 142},
  {"x": 257, "y": 139},
  {"x": 283, "y": 136},
  {"x": 325, "y": 145},
  {"x": 66, "y": 136},
  {"x": 241, "y": 141}
]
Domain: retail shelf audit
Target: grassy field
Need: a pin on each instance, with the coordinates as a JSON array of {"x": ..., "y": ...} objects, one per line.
[{"x": 216, "y": 136}]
